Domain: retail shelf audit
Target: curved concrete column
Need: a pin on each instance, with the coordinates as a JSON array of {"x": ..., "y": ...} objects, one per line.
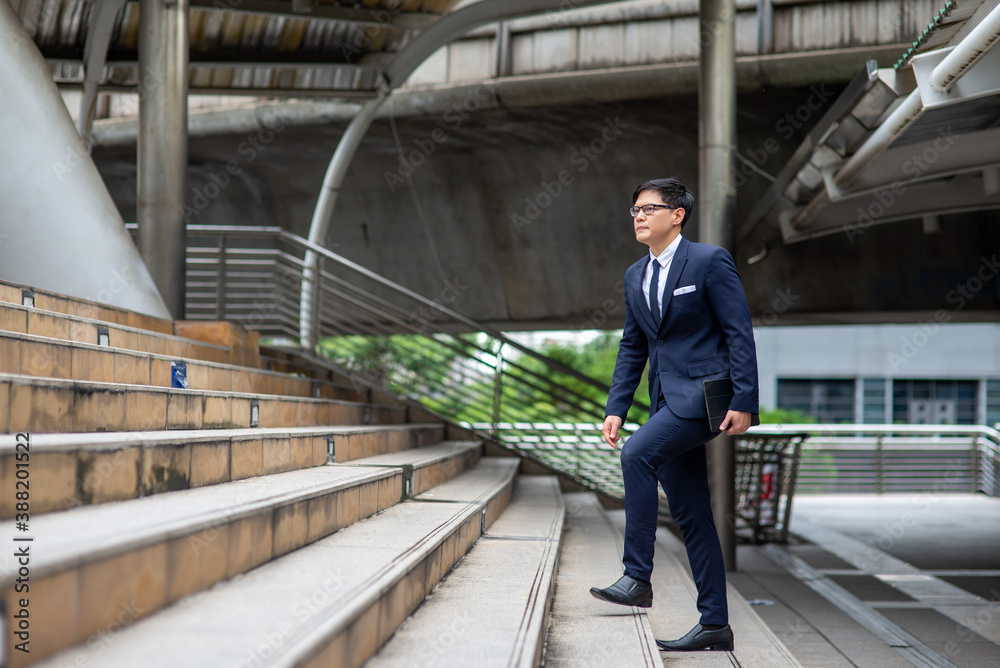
[
  {"x": 407, "y": 60},
  {"x": 59, "y": 228}
]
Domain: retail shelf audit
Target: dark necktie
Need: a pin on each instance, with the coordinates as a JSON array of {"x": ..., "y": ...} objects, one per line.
[{"x": 654, "y": 302}]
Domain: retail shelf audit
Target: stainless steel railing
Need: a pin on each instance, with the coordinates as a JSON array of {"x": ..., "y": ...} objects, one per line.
[
  {"x": 887, "y": 458},
  {"x": 386, "y": 336}
]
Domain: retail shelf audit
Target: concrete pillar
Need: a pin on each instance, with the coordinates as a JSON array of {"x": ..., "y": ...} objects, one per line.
[
  {"x": 717, "y": 206},
  {"x": 59, "y": 228},
  {"x": 162, "y": 146}
]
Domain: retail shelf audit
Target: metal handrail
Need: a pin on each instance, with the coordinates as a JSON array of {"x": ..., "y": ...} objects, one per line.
[
  {"x": 385, "y": 335},
  {"x": 444, "y": 310},
  {"x": 881, "y": 458}
]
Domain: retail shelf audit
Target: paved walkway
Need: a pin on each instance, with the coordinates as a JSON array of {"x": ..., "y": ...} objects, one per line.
[{"x": 883, "y": 581}]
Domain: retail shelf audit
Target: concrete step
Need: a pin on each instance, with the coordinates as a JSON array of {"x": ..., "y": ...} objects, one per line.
[
  {"x": 427, "y": 467},
  {"x": 584, "y": 631},
  {"x": 43, "y": 356},
  {"x": 31, "y": 404},
  {"x": 69, "y": 470},
  {"x": 331, "y": 603},
  {"x": 89, "y": 564},
  {"x": 675, "y": 612},
  {"x": 492, "y": 610},
  {"x": 14, "y": 293},
  {"x": 40, "y": 322}
]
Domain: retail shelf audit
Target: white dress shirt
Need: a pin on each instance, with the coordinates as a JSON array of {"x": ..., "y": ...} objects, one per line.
[{"x": 664, "y": 259}]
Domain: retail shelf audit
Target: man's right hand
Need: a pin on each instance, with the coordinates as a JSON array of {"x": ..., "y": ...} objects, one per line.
[{"x": 610, "y": 430}]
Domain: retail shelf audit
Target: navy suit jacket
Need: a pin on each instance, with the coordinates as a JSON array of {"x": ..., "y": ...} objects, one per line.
[{"x": 705, "y": 333}]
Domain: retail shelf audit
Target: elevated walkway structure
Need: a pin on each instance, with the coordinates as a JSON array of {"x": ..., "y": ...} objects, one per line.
[
  {"x": 638, "y": 49},
  {"x": 269, "y": 517},
  {"x": 914, "y": 141},
  {"x": 537, "y": 90}
]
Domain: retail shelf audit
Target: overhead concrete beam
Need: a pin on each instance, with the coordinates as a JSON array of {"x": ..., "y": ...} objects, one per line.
[{"x": 591, "y": 86}]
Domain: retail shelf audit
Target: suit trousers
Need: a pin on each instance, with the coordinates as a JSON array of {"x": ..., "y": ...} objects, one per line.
[{"x": 671, "y": 450}]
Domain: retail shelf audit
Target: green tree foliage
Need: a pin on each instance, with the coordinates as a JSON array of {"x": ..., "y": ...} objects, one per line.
[
  {"x": 455, "y": 376},
  {"x": 595, "y": 359},
  {"x": 784, "y": 416}
]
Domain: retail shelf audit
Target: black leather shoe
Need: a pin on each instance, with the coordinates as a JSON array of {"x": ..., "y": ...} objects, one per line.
[
  {"x": 627, "y": 591},
  {"x": 700, "y": 638}
]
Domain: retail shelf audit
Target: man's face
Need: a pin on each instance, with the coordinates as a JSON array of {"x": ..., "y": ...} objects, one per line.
[{"x": 656, "y": 228}]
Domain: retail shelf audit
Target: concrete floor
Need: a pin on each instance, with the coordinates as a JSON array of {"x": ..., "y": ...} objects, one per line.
[
  {"x": 944, "y": 540},
  {"x": 929, "y": 531}
]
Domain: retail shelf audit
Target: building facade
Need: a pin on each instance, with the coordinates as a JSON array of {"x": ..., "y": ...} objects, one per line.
[{"x": 916, "y": 374}]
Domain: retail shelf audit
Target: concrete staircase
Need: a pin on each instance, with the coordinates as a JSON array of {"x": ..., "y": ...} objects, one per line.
[{"x": 272, "y": 513}]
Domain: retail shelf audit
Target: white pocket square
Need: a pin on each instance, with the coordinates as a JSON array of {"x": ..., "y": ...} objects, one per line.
[{"x": 683, "y": 291}]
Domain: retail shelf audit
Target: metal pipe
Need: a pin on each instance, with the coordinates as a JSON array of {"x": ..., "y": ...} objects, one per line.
[
  {"x": 162, "y": 150},
  {"x": 944, "y": 76},
  {"x": 472, "y": 325},
  {"x": 717, "y": 211},
  {"x": 967, "y": 52},
  {"x": 61, "y": 229},
  {"x": 332, "y": 182},
  {"x": 887, "y": 132}
]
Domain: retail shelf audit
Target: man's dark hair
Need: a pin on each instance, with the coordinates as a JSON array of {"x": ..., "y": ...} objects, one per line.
[{"x": 672, "y": 192}]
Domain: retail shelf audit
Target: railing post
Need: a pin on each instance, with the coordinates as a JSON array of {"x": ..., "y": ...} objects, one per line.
[
  {"x": 974, "y": 465},
  {"x": 879, "y": 466},
  {"x": 497, "y": 393},
  {"x": 220, "y": 286}
]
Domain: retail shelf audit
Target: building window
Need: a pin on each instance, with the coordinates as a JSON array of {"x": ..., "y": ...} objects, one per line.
[
  {"x": 873, "y": 409},
  {"x": 917, "y": 401},
  {"x": 993, "y": 402},
  {"x": 824, "y": 399}
]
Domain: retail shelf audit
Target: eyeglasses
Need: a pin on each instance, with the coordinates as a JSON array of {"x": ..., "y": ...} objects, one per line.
[{"x": 648, "y": 209}]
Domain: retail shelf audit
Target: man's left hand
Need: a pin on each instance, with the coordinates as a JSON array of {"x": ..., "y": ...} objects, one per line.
[{"x": 736, "y": 421}]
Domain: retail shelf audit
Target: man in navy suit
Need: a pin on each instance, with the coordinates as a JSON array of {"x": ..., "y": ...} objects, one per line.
[{"x": 686, "y": 313}]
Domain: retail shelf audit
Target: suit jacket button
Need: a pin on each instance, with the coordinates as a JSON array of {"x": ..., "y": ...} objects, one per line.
[{"x": 659, "y": 343}]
